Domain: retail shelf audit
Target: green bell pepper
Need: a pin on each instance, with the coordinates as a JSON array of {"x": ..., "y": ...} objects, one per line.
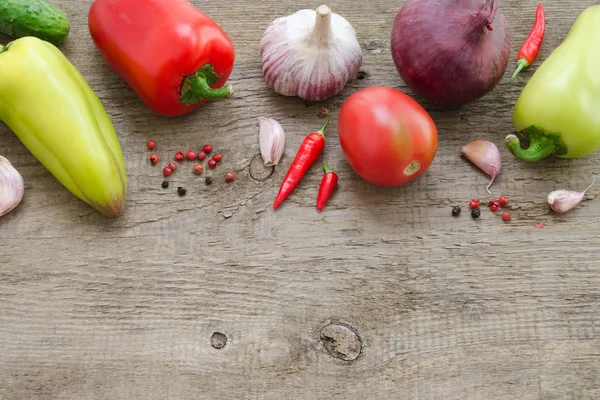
[
  {"x": 558, "y": 112},
  {"x": 48, "y": 104}
]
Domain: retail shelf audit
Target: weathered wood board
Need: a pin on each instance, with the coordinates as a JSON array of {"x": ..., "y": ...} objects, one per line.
[{"x": 444, "y": 308}]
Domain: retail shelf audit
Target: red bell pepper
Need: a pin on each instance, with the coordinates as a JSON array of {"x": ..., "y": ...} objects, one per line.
[{"x": 172, "y": 55}]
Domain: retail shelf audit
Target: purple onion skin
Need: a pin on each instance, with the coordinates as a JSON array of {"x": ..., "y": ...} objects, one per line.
[{"x": 445, "y": 51}]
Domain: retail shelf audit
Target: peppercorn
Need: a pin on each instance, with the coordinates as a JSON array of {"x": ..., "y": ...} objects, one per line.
[
  {"x": 475, "y": 212},
  {"x": 209, "y": 180},
  {"x": 173, "y": 165},
  {"x": 503, "y": 200},
  {"x": 190, "y": 155},
  {"x": 181, "y": 191},
  {"x": 208, "y": 148},
  {"x": 167, "y": 171},
  {"x": 212, "y": 163},
  {"x": 154, "y": 159},
  {"x": 474, "y": 204},
  {"x": 151, "y": 144},
  {"x": 165, "y": 184},
  {"x": 217, "y": 157},
  {"x": 179, "y": 156},
  {"x": 198, "y": 169},
  {"x": 201, "y": 156},
  {"x": 494, "y": 205},
  {"x": 229, "y": 177},
  {"x": 506, "y": 216},
  {"x": 456, "y": 211}
]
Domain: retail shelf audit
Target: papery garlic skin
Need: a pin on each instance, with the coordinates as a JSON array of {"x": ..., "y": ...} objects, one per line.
[
  {"x": 562, "y": 201},
  {"x": 486, "y": 156},
  {"x": 11, "y": 187},
  {"x": 310, "y": 54},
  {"x": 272, "y": 141}
]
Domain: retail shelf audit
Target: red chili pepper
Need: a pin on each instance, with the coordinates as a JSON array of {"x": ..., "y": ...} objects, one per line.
[
  {"x": 532, "y": 44},
  {"x": 328, "y": 183},
  {"x": 309, "y": 151},
  {"x": 172, "y": 55}
]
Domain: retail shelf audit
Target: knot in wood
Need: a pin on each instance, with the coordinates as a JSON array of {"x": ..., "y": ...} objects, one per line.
[
  {"x": 341, "y": 341},
  {"x": 218, "y": 340},
  {"x": 258, "y": 171}
]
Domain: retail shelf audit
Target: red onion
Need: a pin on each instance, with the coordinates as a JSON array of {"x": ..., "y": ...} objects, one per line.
[{"x": 451, "y": 52}]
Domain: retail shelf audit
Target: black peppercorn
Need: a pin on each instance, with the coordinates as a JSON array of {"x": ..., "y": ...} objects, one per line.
[
  {"x": 165, "y": 184},
  {"x": 456, "y": 211},
  {"x": 209, "y": 180},
  {"x": 475, "y": 212},
  {"x": 181, "y": 191}
]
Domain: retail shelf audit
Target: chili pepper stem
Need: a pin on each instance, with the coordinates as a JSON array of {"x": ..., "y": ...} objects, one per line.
[
  {"x": 521, "y": 65},
  {"x": 539, "y": 147},
  {"x": 326, "y": 168},
  {"x": 324, "y": 127}
]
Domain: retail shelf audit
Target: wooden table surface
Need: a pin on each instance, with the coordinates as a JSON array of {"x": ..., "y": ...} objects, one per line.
[{"x": 382, "y": 296}]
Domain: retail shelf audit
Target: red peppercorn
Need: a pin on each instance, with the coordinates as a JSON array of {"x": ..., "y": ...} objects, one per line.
[
  {"x": 151, "y": 144},
  {"x": 506, "y": 216},
  {"x": 494, "y": 205},
  {"x": 208, "y": 148},
  {"x": 179, "y": 156},
  {"x": 198, "y": 168},
  {"x": 201, "y": 156},
  {"x": 190, "y": 155},
  {"x": 212, "y": 163},
  {"x": 229, "y": 177},
  {"x": 503, "y": 200},
  {"x": 474, "y": 203},
  {"x": 167, "y": 171},
  {"x": 154, "y": 159},
  {"x": 217, "y": 157},
  {"x": 173, "y": 165}
]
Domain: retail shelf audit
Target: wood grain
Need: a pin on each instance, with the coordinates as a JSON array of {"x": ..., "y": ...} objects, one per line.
[{"x": 444, "y": 308}]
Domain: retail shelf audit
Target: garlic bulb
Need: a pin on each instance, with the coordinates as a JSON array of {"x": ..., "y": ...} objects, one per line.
[
  {"x": 310, "y": 54},
  {"x": 271, "y": 138},
  {"x": 11, "y": 187}
]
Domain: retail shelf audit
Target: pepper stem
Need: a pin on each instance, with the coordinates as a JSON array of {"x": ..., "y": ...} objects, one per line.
[
  {"x": 540, "y": 147},
  {"x": 196, "y": 87},
  {"x": 326, "y": 168},
  {"x": 2, "y": 48},
  {"x": 322, "y": 130},
  {"x": 201, "y": 88},
  {"x": 521, "y": 65}
]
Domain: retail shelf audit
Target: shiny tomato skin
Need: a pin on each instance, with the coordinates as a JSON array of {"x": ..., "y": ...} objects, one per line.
[{"x": 387, "y": 137}]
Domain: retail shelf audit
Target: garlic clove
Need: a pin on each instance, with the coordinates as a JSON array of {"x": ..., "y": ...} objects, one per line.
[
  {"x": 310, "y": 54},
  {"x": 562, "y": 201},
  {"x": 486, "y": 156},
  {"x": 11, "y": 187},
  {"x": 272, "y": 141}
]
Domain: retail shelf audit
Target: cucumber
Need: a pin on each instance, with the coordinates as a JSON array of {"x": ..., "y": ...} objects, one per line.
[{"x": 37, "y": 18}]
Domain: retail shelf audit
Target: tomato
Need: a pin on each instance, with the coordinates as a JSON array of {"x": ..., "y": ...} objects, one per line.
[{"x": 386, "y": 136}]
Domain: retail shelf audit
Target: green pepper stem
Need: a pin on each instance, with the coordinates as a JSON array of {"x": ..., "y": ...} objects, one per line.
[
  {"x": 540, "y": 147},
  {"x": 521, "y": 65},
  {"x": 326, "y": 168},
  {"x": 201, "y": 88},
  {"x": 322, "y": 130}
]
